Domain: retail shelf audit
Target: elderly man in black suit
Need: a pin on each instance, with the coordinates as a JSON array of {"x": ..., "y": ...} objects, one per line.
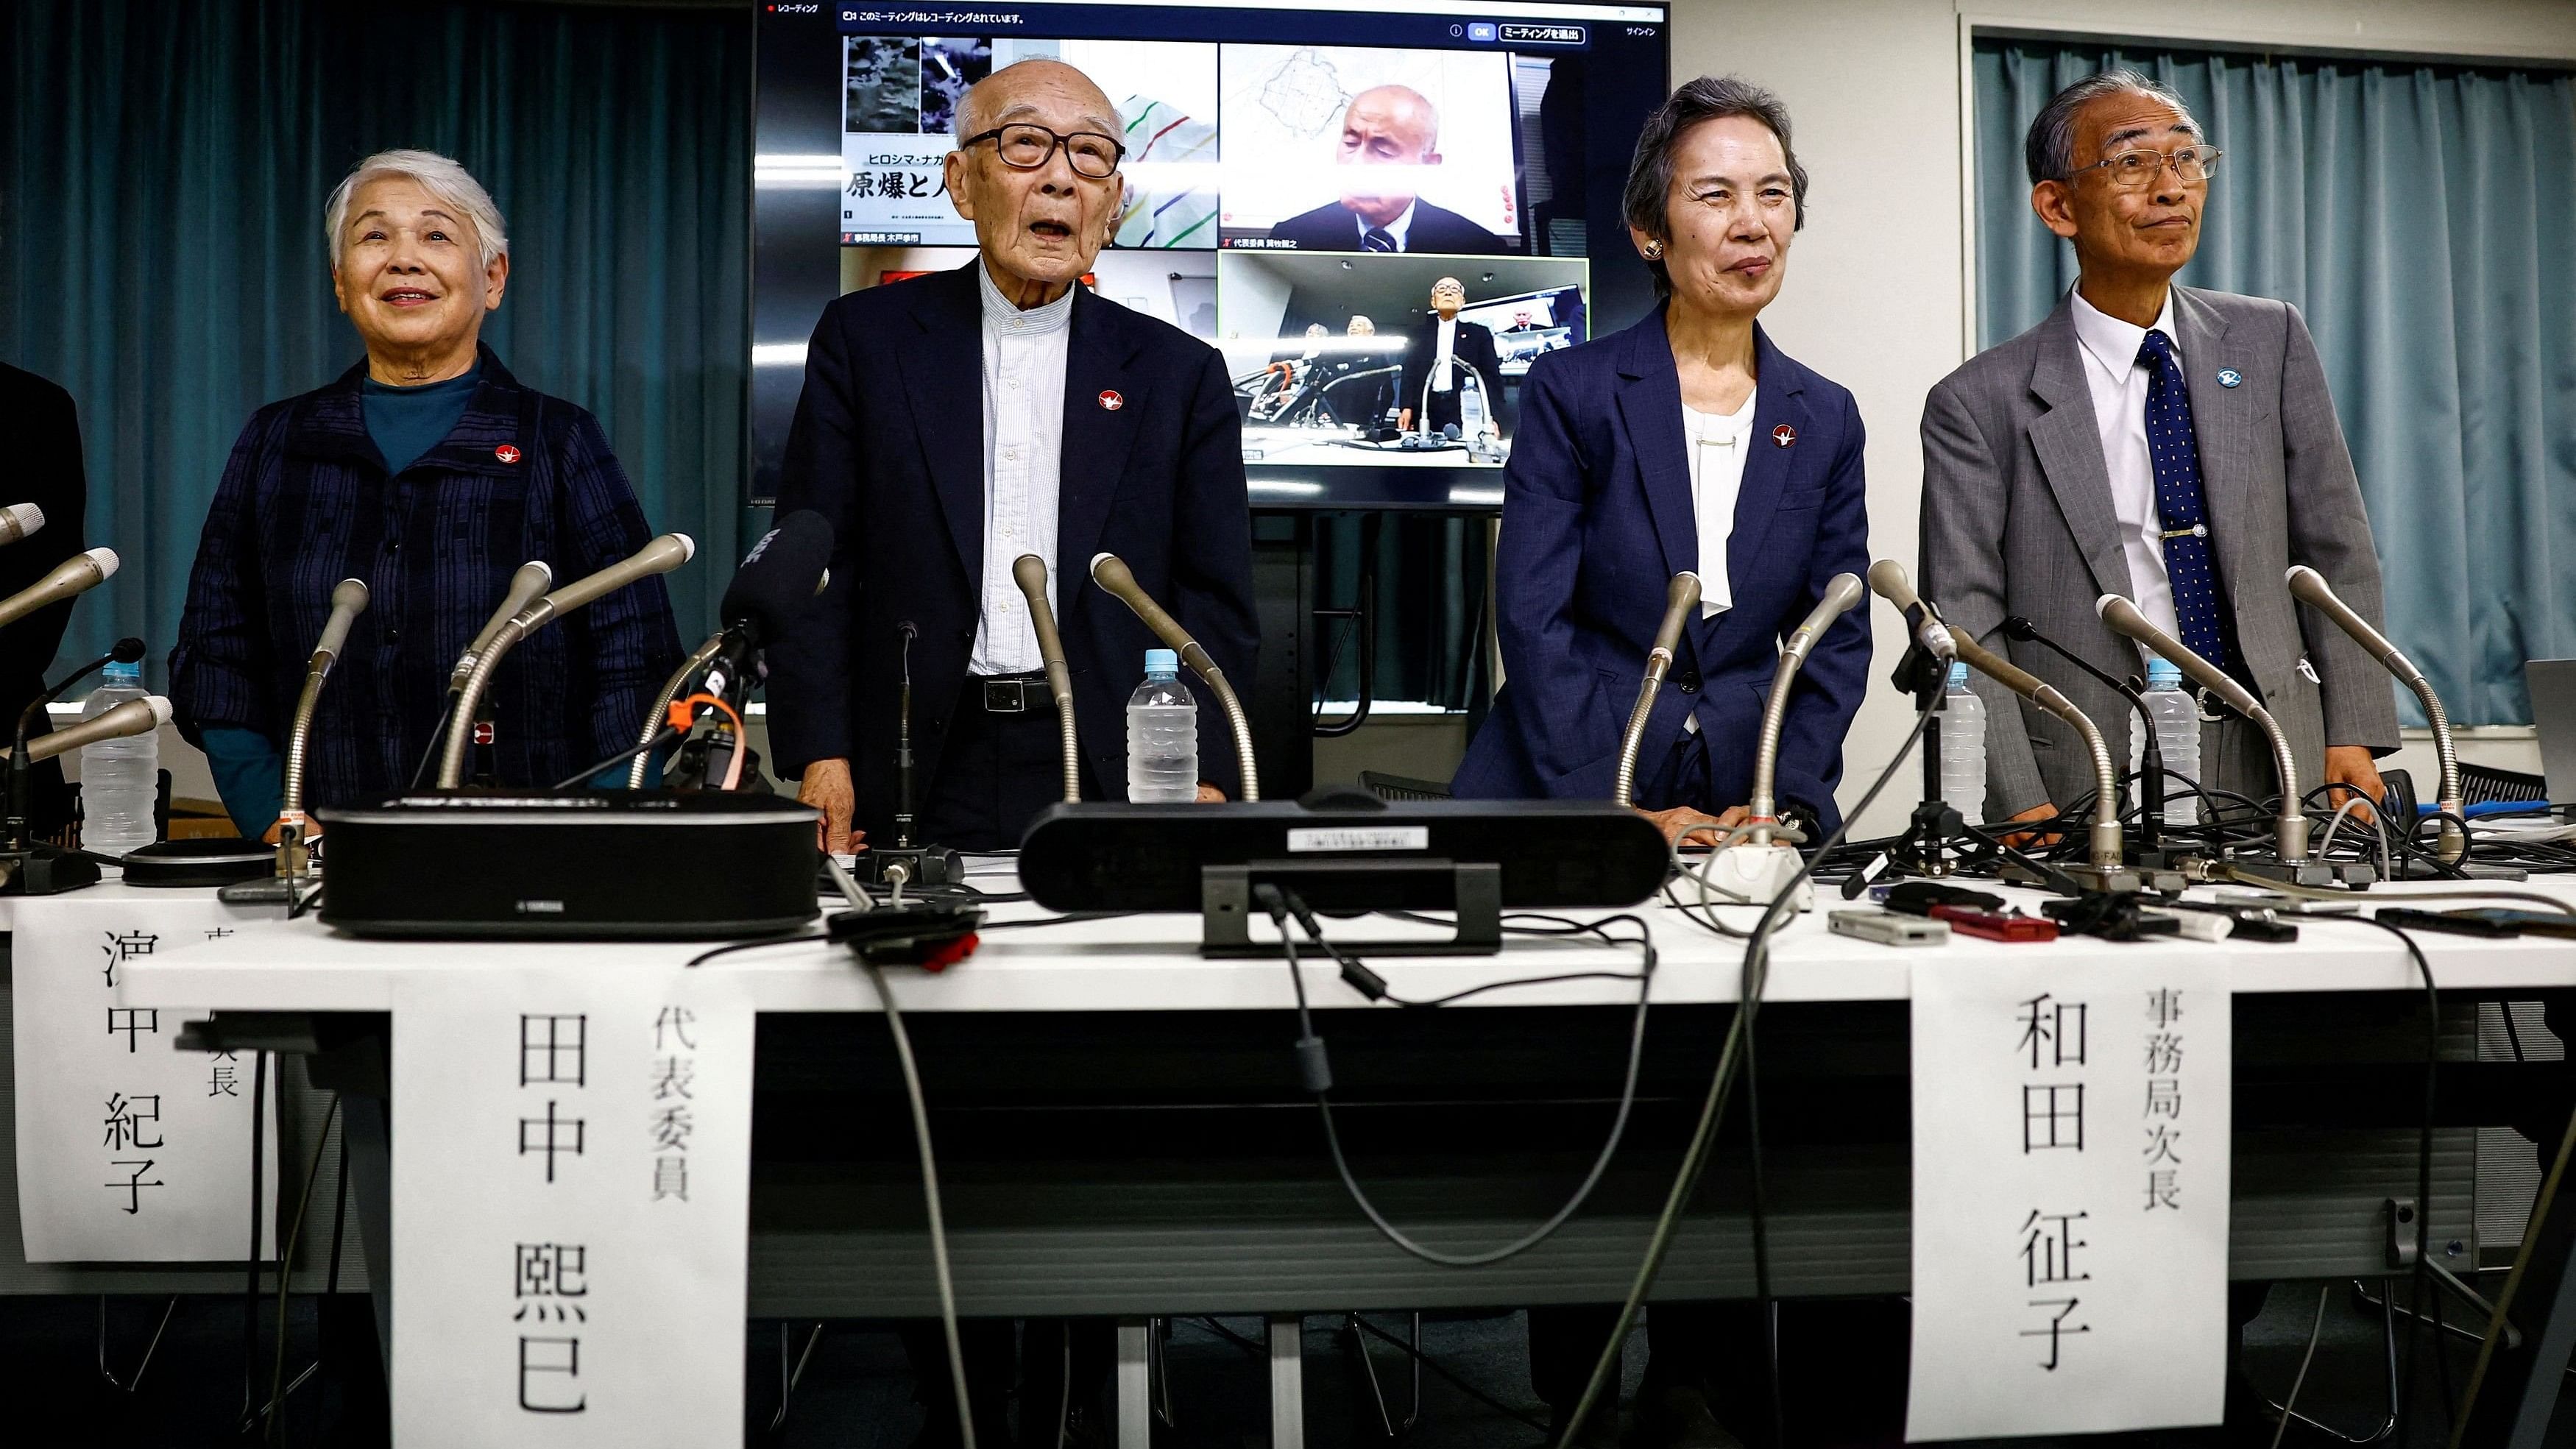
[
  {"x": 1438, "y": 359},
  {"x": 1385, "y": 127},
  {"x": 950, "y": 424}
]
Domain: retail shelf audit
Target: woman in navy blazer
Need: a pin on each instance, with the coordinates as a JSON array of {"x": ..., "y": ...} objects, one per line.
[
  {"x": 1601, "y": 507},
  {"x": 1688, "y": 441}
]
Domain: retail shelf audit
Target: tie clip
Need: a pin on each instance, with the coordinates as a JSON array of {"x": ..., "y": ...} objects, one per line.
[{"x": 2197, "y": 530}]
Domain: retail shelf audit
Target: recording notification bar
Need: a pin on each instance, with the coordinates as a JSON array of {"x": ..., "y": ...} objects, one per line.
[{"x": 1532, "y": 23}]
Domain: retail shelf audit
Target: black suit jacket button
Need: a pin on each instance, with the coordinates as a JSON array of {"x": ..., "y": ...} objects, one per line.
[{"x": 1689, "y": 684}]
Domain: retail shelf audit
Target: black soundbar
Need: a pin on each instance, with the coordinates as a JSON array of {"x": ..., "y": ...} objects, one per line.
[
  {"x": 602, "y": 864},
  {"x": 1344, "y": 851}
]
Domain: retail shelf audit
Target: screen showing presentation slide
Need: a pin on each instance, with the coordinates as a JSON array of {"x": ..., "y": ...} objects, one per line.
[{"x": 1380, "y": 216}]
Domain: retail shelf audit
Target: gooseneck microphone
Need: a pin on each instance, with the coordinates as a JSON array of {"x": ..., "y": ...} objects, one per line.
[
  {"x": 348, "y": 601},
  {"x": 784, "y": 570},
  {"x": 2311, "y": 589},
  {"x": 1030, "y": 572},
  {"x": 19, "y": 520},
  {"x": 73, "y": 576},
  {"x": 134, "y": 717},
  {"x": 657, "y": 557},
  {"x": 1680, "y": 598},
  {"x": 2290, "y": 827},
  {"x": 128, "y": 650},
  {"x": 1887, "y": 577},
  {"x": 533, "y": 578},
  {"x": 1841, "y": 592},
  {"x": 1887, "y": 580},
  {"x": 1111, "y": 573},
  {"x": 2151, "y": 750}
]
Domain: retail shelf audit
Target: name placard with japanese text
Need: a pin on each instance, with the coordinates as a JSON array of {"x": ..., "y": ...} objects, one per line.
[
  {"x": 571, "y": 1185},
  {"x": 129, "y": 1150},
  {"x": 2071, "y": 1141}
]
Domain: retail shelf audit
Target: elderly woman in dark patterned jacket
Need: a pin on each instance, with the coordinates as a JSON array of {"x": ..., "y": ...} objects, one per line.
[{"x": 432, "y": 474}]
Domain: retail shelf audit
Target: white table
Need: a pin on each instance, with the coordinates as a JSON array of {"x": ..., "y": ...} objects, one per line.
[{"x": 1151, "y": 964}]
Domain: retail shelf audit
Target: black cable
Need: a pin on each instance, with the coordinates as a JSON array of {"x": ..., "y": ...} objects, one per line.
[
  {"x": 2423, "y": 1162},
  {"x": 427, "y": 769},
  {"x": 1762, "y": 1237},
  {"x": 661, "y": 737},
  {"x": 1315, "y": 1074},
  {"x": 704, "y": 957},
  {"x": 258, "y": 1167},
  {"x": 276, "y": 1410},
  {"x": 1695, "y": 1160}
]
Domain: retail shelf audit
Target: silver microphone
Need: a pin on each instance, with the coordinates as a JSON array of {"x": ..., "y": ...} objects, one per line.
[
  {"x": 1841, "y": 592},
  {"x": 19, "y": 520},
  {"x": 1888, "y": 580},
  {"x": 134, "y": 717},
  {"x": 1111, "y": 572},
  {"x": 2311, "y": 589},
  {"x": 348, "y": 601},
  {"x": 75, "y": 575},
  {"x": 660, "y": 556},
  {"x": 2290, "y": 826},
  {"x": 2104, "y": 848},
  {"x": 1680, "y": 598},
  {"x": 533, "y": 578},
  {"x": 1030, "y": 572}
]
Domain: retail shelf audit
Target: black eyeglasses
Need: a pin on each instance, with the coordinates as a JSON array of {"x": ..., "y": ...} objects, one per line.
[{"x": 1026, "y": 147}]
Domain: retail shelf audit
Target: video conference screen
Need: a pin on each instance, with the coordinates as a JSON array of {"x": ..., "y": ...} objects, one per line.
[{"x": 1379, "y": 214}]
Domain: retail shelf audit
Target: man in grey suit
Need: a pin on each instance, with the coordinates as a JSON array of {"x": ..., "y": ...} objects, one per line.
[{"x": 2171, "y": 444}]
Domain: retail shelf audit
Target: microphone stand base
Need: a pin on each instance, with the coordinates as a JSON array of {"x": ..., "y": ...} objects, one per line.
[
  {"x": 2314, "y": 873},
  {"x": 2122, "y": 879},
  {"x": 923, "y": 865},
  {"x": 1757, "y": 875},
  {"x": 44, "y": 870},
  {"x": 271, "y": 890}
]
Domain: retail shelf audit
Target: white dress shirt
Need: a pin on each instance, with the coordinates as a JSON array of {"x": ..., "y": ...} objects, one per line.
[
  {"x": 1715, "y": 443},
  {"x": 2119, "y": 387},
  {"x": 1397, "y": 228},
  {"x": 1443, "y": 352},
  {"x": 1024, "y": 360}
]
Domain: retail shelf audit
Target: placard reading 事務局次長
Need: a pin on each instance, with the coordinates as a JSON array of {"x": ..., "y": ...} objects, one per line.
[{"x": 2071, "y": 1142}]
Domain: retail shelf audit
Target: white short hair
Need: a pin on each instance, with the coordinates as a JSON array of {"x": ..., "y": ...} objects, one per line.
[{"x": 446, "y": 181}]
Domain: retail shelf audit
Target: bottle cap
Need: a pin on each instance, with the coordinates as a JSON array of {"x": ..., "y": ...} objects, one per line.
[
  {"x": 2163, "y": 674},
  {"x": 117, "y": 672},
  {"x": 1162, "y": 661},
  {"x": 1958, "y": 674}
]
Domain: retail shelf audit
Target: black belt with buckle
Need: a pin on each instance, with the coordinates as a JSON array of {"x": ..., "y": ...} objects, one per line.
[{"x": 1014, "y": 693}]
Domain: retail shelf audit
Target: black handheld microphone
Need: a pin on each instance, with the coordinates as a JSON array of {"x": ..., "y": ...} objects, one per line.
[
  {"x": 780, "y": 576},
  {"x": 2151, "y": 789}
]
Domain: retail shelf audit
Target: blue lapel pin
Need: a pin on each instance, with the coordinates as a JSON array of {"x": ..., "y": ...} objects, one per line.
[{"x": 2230, "y": 377}]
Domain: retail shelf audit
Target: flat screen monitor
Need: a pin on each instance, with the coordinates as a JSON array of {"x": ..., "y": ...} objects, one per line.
[{"x": 1296, "y": 185}]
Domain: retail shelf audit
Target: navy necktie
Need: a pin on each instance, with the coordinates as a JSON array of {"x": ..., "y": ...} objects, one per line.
[
  {"x": 1377, "y": 239},
  {"x": 2199, "y": 615}
]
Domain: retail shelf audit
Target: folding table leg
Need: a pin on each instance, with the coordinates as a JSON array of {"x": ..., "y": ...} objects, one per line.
[
  {"x": 1135, "y": 1395},
  {"x": 1288, "y": 1382}
]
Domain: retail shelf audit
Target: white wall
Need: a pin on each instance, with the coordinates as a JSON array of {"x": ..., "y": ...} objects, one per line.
[{"x": 1876, "y": 297}]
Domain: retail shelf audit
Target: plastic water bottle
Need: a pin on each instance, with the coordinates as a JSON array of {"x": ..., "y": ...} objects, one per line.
[
  {"x": 1963, "y": 748},
  {"x": 1162, "y": 734},
  {"x": 120, "y": 779},
  {"x": 2177, "y": 721}
]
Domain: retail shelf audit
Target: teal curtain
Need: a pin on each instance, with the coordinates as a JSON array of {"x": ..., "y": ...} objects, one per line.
[
  {"x": 162, "y": 174},
  {"x": 2423, "y": 217}
]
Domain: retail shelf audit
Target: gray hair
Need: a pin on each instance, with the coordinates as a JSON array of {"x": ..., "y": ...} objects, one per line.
[
  {"x": 1650, "y": 171},
  {"x": 446, "y": 181},
  {"x": 2048, "y": 152}
]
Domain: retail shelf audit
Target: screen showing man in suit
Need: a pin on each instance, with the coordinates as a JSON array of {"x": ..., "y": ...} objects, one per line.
[
  {"x": 2174, "y": 445},
  {"x": 1408, "y": 151}
]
